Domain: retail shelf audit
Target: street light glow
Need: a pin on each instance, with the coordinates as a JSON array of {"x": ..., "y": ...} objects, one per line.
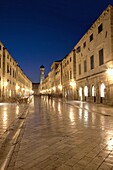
[
  {"x": 17, "y": 87},
  {"x": 54, "y": 88},
  {"x": 110, "y": 71},
  {"x": 60, "y": 87},
  {"x": 5, "y": 84},
  {"x": 72, "y": 83}
]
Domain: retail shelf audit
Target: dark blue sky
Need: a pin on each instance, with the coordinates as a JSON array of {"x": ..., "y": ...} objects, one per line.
[{"x": 39, "y": 32}]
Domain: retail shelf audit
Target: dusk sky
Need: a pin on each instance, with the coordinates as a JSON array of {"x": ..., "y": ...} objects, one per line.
[{"x": 39, "y": 32}]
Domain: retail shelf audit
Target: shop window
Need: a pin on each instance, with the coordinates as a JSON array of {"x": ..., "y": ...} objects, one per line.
[
  {"x": 80, "y": 93},
  {"x": 93, "y": 91},
  {"x": 102, "y": 90},
  {"x": 85, "y": 91}
]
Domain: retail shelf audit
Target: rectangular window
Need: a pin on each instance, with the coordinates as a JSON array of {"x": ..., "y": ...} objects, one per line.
[
  {"x": 92, "y": 62},
  {"x": 91, "y": 37},
  {"x": 13, "y": 73},
  {"x": 0, "y": 62},
  {"x": 79, "y": 69},
  {"x": 101, "y": 57},
  {"x": 7, "y": 68},
  {"x": 0, "y": 47},
  {"x": 10, "y": 70},
  {"x": 70, "y": 74},
  {"x": 78, "y": 49},
  {"x": 84, "y": 44},
  {"x": 85, "y": 66},
  {"x": 100, "y": 28},
  {"x": 70, "y": 59}
]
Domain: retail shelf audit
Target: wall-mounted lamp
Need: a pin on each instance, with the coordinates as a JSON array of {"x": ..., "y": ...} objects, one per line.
[{"x": 72, "y": 83}]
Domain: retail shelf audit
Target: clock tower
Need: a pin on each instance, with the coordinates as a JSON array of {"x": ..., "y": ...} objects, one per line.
[{"x": 42, "y": 69}]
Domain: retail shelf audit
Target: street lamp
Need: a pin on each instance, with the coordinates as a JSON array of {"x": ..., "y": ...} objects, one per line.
[
  {"x": 54, "y": 88},
  {"x": 60, "y": 87},
  {"x": 17, "y": 87},
  {"x": 5, "y": 84},
  {"x": 72, "y": 84},
  {"x": 110, "y": 71}
]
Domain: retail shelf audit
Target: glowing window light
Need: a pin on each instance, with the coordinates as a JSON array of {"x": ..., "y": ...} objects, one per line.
[
  {"x": 80, "y": 91},
  {"x": 102, "y": 89},
  {"x": 93, "y": 91},
  {"x": 85, "y": 91}
]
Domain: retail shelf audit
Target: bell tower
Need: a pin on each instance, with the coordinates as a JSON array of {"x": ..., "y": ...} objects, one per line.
[{"x": 42, "y": 69}]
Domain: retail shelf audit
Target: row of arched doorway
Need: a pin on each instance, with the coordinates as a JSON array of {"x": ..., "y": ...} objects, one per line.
[{"x": 84, "y": 92}]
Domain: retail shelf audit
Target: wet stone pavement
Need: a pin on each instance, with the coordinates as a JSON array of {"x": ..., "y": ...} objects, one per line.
[
  {"x": 58, "y": 136},
  {"x": 8, "y": 113}
]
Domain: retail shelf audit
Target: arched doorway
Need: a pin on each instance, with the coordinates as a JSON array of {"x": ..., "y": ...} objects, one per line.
[
  {"x": 93, "y": 93},
  {"x": 102, "y": 92},
  {"x": 80, "y": 93},
  {"x": 85, "y": 92}
]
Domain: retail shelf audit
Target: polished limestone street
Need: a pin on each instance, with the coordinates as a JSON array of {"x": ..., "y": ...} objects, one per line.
[
  {"x": 8, "y": 113},
  {"x": 10, "y": 119},
  {"x": 58, "y": 136}
]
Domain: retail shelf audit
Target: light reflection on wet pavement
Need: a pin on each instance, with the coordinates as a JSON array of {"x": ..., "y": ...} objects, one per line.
[
  {"x": 8, "y": 113},
  {"x": 59, "y": 136}
]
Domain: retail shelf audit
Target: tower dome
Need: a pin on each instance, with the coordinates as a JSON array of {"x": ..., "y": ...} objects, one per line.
[{"x": 42, "y": 66}]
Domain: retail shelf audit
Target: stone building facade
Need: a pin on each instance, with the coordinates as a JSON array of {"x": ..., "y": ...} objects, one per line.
[
  {"x": 13, "y": 82},
  {"x": 52, "y": 84},
  {"x": 94, "y": 58},
  {"x": 1, "y": 70},
  {"x": 56, "y": 88},
  {"x": 86, "y": 73},
  {"x": 68, "y": 76}
]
